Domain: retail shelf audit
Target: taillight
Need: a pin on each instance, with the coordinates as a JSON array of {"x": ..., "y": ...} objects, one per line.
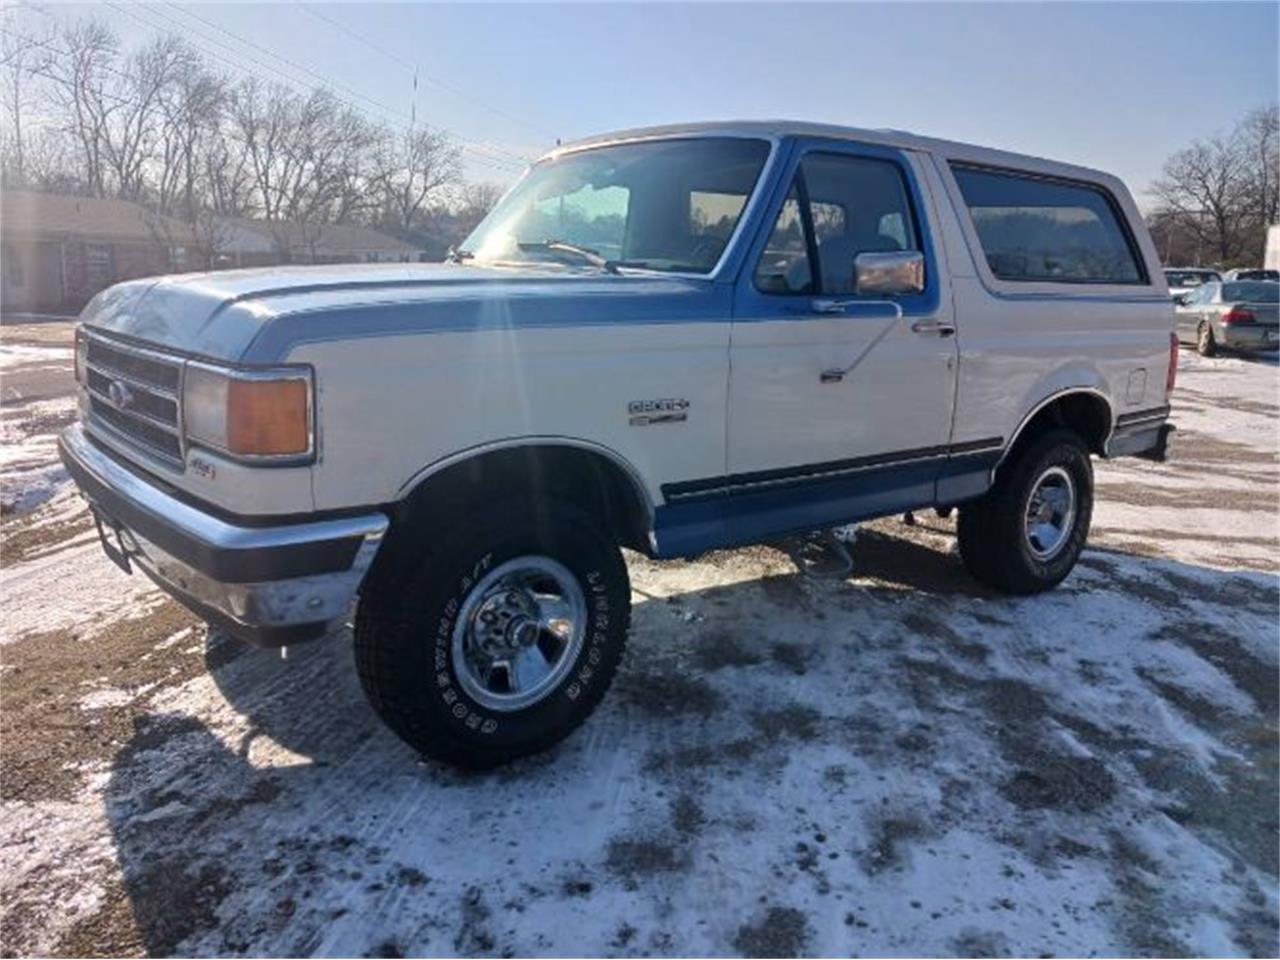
[
  {"x": 1172, "y": 376},
  {"x": 1238, "y": 315}
]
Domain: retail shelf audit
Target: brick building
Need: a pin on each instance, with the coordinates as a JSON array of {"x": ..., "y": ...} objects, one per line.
[{"x": 57, "y": 251}]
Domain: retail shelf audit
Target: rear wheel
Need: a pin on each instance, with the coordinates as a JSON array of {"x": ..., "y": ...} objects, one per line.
[
  {"x": 1206, "y": 345},
  {"x": 502, "y": 640},
  {"x": 1027, "y": 532}
]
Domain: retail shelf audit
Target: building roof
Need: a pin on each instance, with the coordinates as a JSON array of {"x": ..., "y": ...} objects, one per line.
[
  {"x": 35, "y": 214},
  {"x": 327, "y": 238}
]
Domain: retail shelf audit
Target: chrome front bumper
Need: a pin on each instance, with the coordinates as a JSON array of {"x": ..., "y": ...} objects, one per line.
[{"x": 269, "y": 585}]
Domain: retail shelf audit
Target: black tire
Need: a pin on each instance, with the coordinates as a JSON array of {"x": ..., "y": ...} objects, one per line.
[
  {"x": 405, "y": 625},
  {"x": 1206, "y": 345},
  {"x": 994, "y": 543}
]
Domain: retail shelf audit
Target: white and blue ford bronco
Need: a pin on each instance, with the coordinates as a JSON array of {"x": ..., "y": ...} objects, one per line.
[{"x": 666, "y": 340}]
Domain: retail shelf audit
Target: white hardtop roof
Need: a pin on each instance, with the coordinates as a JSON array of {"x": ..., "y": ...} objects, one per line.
[{"x": 776, "y": 129}]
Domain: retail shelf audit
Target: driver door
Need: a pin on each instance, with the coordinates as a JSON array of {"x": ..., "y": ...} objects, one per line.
[{"x": 839, "y": 402}]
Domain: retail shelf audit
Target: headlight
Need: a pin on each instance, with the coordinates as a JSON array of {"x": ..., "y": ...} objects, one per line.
[{"x": 249, "y": 414}]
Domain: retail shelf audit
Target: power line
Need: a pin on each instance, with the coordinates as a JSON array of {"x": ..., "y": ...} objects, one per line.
[
  {"x": 436, "y": 81},
  {"x": 484, "y": 157},
  {"x": 302, "y": 68}
]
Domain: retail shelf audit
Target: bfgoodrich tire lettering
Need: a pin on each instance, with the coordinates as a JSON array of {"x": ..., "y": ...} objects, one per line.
[
  {"x": 992, "y": 530},
  {"x": 405, "y": 629}
]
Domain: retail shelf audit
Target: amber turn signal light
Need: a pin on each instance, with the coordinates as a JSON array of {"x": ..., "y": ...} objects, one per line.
[{"x": 268, "y": 417}]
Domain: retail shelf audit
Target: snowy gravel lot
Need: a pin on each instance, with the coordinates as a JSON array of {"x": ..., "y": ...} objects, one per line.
[{"x": 893, "y": 762}]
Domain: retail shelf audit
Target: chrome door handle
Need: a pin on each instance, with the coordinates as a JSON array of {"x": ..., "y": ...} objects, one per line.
[{"x": 940, "y": 327}]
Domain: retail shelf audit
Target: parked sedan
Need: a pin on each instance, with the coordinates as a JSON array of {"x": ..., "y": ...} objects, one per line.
[
  {"x": 1242, "y": 273},
  {"x": 1183, "y": 280},
  {"x": 1244, "y": 315}
]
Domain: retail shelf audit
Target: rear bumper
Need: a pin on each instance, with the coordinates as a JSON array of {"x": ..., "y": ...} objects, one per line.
[
  {"x": 1244, "y": 336},
  {"x": 1144, "y": 434},
  {"x": 268, "y": 585}
]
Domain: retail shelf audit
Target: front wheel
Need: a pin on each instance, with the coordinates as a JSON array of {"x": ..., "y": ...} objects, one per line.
[
  {"x": 1206, "y": 345},
  {"x": 503, "y": 639},
  {"x": 1026, "y": 533}
]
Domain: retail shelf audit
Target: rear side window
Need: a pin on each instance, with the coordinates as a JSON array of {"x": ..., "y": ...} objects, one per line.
[{"x": 1033, "y": 228}]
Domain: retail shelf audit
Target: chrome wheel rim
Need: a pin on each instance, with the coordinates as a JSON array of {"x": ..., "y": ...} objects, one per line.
[
  {"x": 519, "y": 632},
  {"x": 1050, "y": 513}
]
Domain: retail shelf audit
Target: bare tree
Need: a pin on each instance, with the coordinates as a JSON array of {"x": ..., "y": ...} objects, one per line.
[
  {"x": 1219, "y": 195},
  {"x": 415, "y": 169},
  {"x": 19, "y": 59},
  {"x": 190, "y": 105},
  {"x": 1259, "y": 138},
  {"x": 79, "y": 78}
]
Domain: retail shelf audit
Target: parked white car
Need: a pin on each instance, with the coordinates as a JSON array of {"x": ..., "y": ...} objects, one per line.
[
  {"x": 1183, "y": 280},
  {"x": 670, "y": 340}
]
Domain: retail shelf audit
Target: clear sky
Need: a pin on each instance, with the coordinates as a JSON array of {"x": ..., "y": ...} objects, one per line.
[{"x": 1117, "y": 86}]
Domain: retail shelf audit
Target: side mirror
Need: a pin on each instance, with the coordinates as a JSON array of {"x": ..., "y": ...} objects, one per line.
[
  {"x": 1181, "y": 299},
  {"x": 901, "y": 271}
]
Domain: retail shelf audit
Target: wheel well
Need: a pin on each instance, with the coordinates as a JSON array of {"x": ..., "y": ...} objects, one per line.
[
  {"x": 1086, "y": 413},
  {"x": 587, "y": 479}
]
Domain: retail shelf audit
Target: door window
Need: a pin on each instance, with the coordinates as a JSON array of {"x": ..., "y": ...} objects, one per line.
[
  {"x": 839, "y": 206},
  {"x": 784, "y": 265}
]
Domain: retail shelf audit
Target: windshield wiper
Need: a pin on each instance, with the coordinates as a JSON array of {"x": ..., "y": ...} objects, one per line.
[
  {"x": 457, "y": 256},
  {"x": 562, "y": 246}
]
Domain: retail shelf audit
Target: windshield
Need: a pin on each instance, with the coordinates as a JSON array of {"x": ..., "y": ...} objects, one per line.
[
  {"x": 662, "y": 205},
  {"x": 1251, "y": 291},
  {"x": 1189, "y": 278}
]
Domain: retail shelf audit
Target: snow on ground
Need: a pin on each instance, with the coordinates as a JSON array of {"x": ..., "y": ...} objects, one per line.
[
  {"x": 29, "y": 419},
  {"x": 894, "y": 762}
]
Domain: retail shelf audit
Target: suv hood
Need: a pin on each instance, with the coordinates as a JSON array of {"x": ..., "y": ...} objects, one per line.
[{"x": 258, "y": 316}]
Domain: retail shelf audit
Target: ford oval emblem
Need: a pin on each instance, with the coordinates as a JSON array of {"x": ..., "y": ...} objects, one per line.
[{"x": 120, "y": 394}]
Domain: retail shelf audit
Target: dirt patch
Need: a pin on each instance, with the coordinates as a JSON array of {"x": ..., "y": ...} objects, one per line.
[
  {"x": 24, "y": 538},
  {"x": 719, "y": 649},
  {"x": 795, "y": 721},
  {"x": 782, "y": 932},
  {"x": 686, "y": 815},
  {"x": 667, "y": 693},
  {"x": 890, "y": 836},
  {"x": 702, "y": 756},
  {"x": 1228, "y": 591},
  {"x": 793, "y": 657},
  {"x": 1048, "y": 780},
  {"x": 1202, "y": 711},
  {"x": 906, "y": 563},
  {"x": 1205, "y": 448},
  {"x": 927, "y": 625},
  {"x": 1259, "y": 679},
  {"x": 45, "y": 731},
  {"x": 1154, "y": 592},
  {"x": 1203, "y": 498},
  {"x": 633, "y": 858}
]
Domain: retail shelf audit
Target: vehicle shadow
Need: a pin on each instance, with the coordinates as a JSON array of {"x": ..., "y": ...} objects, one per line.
[{"x": 270, "y": 813}]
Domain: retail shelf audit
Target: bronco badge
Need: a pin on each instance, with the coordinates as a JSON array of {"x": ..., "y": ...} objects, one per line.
[{"x": 645, "y": 413}]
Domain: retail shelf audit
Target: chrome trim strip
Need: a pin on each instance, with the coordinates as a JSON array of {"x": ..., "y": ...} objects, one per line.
[
  {"x": 1057, "y": 395},
  {"x": 843, "y": 471},
  {"x": 204, "y": 527}
]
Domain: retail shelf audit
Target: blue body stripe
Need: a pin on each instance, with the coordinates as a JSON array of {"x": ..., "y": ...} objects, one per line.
[{"x": 735, "y": 518}]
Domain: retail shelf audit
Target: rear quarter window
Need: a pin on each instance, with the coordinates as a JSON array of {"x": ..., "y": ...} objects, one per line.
[{"x": 1038, "y": 229}]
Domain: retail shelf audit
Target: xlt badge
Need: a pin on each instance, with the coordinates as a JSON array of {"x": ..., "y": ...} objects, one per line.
[{"x": 645, "y": 413}]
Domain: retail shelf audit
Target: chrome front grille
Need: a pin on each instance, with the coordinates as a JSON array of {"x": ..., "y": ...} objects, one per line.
[{"x": 135, "y": 397}]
